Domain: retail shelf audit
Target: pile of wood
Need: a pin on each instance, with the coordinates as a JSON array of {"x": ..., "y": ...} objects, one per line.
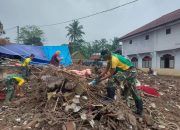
[{"x": 58, "y": 99}]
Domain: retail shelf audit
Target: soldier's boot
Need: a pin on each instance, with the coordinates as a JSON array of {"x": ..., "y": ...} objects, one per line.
[
  {"x": 110, "y": 93},
  {"x": 139, "y": 106}
]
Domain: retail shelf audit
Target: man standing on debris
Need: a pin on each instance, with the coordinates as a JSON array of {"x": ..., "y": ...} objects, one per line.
[
  {"x": 120, "y": 69},
  {"x": 150, "y": 72},
  {"x": 56, "y": 59},
  {"x": 25, "y": 65}
]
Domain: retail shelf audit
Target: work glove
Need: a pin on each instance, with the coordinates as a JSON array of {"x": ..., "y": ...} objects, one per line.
[
  {"x": 94, "y": 82},
  {"x": 50, "y": 95}
]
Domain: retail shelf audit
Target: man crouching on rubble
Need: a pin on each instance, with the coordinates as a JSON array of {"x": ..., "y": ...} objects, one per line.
[
  {"x": 14, "y": 85},
  {"x": 120, "y": 69}
]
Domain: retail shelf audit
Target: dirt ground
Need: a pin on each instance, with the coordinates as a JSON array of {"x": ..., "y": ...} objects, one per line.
[{"x": 33, "y": 111}]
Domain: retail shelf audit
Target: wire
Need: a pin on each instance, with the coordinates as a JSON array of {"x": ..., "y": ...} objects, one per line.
[
  {"x": 8, "y": 29},
  {"x": 97, "y": 13}
]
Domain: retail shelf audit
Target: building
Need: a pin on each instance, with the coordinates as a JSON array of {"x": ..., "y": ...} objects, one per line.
[{"x": 156, "y": 45}]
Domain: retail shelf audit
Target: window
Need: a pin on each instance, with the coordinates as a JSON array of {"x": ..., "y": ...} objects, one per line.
[
  {"x": 167, "y": 61},
  {"x": 130, "y": 42},
  {"x": 134, "y": 60},
  {"x": 147, "y": 37},
  {"x": 147, "y": 62},
  {"x": 168, "y": 31}
]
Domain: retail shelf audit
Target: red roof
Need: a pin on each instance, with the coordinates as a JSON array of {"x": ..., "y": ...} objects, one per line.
[{"x": 165, "y": 19}]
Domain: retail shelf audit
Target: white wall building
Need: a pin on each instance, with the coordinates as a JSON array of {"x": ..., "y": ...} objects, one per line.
[{"x": 156, "y": 44}]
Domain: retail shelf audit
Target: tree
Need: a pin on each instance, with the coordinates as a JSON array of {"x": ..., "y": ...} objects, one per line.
[
  {"x": 31, "y": 35},
  {"x": 75, "y": 32},
  {"x": 116, "y": 46},
  {"x": 98, "y": 45},
  {"x": 115, "y": 43},
  {"x": 1, "y": 29}
]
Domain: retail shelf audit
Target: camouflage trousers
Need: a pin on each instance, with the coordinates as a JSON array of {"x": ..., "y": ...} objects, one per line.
[
  {"x": 129, "y": 81},
  {"x": 10, "y": 83}
]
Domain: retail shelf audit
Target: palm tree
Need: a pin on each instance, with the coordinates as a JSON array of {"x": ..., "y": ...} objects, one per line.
[{"x": 75, "y": 32}]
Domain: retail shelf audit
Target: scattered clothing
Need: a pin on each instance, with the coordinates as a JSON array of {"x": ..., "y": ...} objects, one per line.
[
  {"x": 148, "y": 90},
  {"x": 84, "y": 73}
]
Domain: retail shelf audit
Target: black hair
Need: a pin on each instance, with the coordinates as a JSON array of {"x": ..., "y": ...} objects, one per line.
[
  {"x": 105, "y": 52},
  {"x": 32, "y": 55}
]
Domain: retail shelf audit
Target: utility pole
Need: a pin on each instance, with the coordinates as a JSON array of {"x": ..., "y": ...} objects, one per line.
[{"x": 18, "y": 34}]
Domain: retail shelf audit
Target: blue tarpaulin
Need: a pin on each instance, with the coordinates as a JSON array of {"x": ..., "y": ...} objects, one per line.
[
  {"x": 42, "y": 54},
  {"x": 24, "y": 51},
  {"x": 50, "y": 51}
]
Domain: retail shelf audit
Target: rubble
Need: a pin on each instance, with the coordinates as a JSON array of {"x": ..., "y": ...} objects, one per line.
[{"x": 77, "y": 106}]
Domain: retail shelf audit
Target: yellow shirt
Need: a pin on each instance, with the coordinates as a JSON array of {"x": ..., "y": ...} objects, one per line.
[
  {"x": 119, "y": 63},
  {"x": 26, "y": 62},
  {"x": 20, "y": 81}
]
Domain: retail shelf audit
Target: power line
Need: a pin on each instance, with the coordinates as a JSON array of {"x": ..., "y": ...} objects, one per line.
[
  {"x": 97, "y": 13},
  {"x": 8, "y": 29}
]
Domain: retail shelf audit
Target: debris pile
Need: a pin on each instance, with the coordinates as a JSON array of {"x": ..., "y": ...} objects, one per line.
[{"x": 59, "y": 99}]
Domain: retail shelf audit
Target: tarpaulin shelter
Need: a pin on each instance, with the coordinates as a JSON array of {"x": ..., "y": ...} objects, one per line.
[
  {"x": 50, "y": 50},
  {"x": 23, "y": 51},
  {"x": 42, "y": 53}
]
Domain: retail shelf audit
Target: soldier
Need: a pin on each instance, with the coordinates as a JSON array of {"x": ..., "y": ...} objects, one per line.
[
  {"x": 120, "y": 69},
  {"x": 14, "y": 85}
]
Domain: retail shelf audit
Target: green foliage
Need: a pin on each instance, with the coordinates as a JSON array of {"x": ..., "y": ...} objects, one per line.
[
  {"x": 77, "y": 44},
  {"x": 87, "y": 49},
  {"x": 98, "y": 45},
  {"x": 31, "y": 35},
  {"x": 75, "y": 32},
  {"x": 82, "y": 47},
  {"x": 1, "y": 29},
  {"x": 115, "y": 44}
]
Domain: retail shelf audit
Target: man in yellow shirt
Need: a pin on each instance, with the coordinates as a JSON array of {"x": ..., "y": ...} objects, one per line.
[
  {"x": 25, "y": 65},
  {"x": 120, "y": 69},
  {"x": 20, "y": 83},
  {"x": 14, "y": 84}
]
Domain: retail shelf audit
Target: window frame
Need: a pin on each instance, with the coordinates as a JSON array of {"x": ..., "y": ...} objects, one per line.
[
  {"x": 147, "y": 63},
  {"x": 147, "y": 37},
  {"x": 171, "y": 61},
  {"x": 134, "y": 62},
  {"x": 168, "y": 31},
  {"x": 130, "y": 41}
]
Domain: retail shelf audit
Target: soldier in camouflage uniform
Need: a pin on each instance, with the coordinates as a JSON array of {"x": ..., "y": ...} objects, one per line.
[
  {"x": 120, "y": 69},
  {"x": 14, "y": 83}
]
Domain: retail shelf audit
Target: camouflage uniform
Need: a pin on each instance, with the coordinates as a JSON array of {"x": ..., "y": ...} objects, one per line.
[
  {"x": 10, "y": 89},
  {"x": 129, "y": 80}
]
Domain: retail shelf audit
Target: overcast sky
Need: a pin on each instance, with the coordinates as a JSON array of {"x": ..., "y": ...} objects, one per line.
[{"x": 108, "y": 25}]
